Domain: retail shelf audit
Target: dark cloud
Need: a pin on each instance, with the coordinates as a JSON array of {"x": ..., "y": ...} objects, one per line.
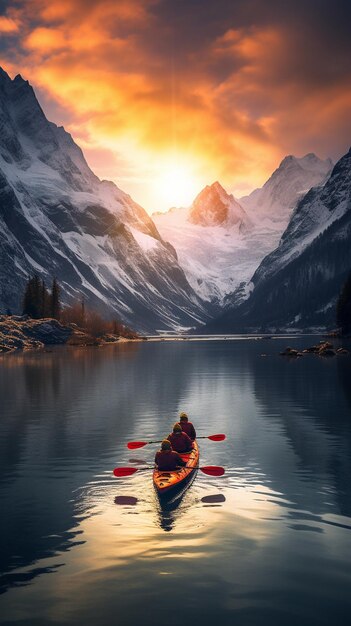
[{"x": 236, "y": 84}]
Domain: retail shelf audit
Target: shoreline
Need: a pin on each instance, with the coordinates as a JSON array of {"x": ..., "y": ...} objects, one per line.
[{"x": 23, "y": 334}]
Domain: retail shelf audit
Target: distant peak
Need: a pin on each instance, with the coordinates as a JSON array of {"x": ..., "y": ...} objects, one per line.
[
  {"x": 214, "y": 206},
  {"x": 18, "y": 80},
  {"x": 4, "y": 75},
  {"x": 212, "y": 191},
  {"x": 309, "y": 161},
  {"x": 215, "y": 189},
  {"x": 287, "y": 160},
  {"x": 218, "y": 187},
  {"x": 310, "y": 156}
]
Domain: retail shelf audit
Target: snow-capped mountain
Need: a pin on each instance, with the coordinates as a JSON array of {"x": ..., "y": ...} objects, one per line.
[
  {"x": 297, "y": 285},
  {"x": 214, "y": 207},
  {"x": 214, "y": 240},
  {"x": 275, "y": 201},
  {"x": 221, "y": 241},
  {"x": 315, "y": 212},
  {"x": 58, "y": 219}
]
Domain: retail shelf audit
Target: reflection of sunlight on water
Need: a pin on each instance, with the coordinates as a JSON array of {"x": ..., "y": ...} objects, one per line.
[
  {"x": 189, "y": 515},
  {"x": 273, "y": 526},
  {"x": 213, "y": 519}
]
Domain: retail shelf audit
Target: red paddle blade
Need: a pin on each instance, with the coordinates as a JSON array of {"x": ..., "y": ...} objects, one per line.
[
  {"x": 133, "y": 445},
  {"x": 212, "y": 470},
  {"x": 124, "y": 471},
  {"x": 216, "y": 437}
]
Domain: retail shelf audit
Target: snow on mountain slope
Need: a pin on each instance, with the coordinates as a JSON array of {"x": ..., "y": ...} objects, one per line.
[
  {"x": 297, "y": 285},
  {"x": 314, "y": 213},
  {"x": 58, "y": 219},
  {"x": 218, "y": 245},
  {"x": 220, "y": 241},
  {"x": 214, "y": 242},
  {"x": 277, "y": 198}
]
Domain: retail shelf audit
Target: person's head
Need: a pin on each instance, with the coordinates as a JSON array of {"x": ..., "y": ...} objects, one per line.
[
  {"x": 177, "y": 429},
  {"x": 183, "y": 417},
  {"x": 166, "y": 445}
]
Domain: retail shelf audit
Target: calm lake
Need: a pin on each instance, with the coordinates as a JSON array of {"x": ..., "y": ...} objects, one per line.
[{"x": 267, "y": 543}]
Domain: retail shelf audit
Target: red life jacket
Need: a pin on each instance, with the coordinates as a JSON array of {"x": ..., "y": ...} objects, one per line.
[
  {"x": 180, "y": 442},
  {"x": 168, "y": 460},
  {"x": 188, "y": 428}
]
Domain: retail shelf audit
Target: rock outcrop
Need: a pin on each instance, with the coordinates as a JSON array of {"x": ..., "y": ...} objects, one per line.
[{"x": 22, "y": 333}]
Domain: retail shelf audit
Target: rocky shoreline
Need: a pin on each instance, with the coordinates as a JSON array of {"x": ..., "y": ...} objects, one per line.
[
  {"x": 323, "y": 348},
  {"x": 23, "y": 333}
]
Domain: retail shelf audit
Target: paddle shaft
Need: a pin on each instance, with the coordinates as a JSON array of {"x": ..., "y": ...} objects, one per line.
[
  {"x": 133, "y": 445},
  {"x": 160, "y": 441},
  {"x": 211, "y": 470}
]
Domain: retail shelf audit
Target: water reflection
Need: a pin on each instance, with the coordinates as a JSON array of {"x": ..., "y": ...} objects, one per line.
[
  {"x": 302, "y": 398},
  {"x": 213, "y": 499},
  {"x": 170, "y": 511},
  {"x": 126, "y": 500},
  {"x": 262, "y": 543}
]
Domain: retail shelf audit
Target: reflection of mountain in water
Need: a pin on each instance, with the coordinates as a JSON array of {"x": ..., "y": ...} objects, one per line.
[
  {"x": 344, "y": 373},
  {"x": 61, "y": 413},
  {"x": 303, "y": 397},
  {"x": 67, "y": 415}
]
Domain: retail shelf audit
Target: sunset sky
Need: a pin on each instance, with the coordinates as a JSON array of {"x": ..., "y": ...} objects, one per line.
[{"x": 166, "y": 96}]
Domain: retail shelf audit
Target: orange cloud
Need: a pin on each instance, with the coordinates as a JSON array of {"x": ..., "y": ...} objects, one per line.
[
  {"x": 146, "y": 79},
  {"x": 7, "y": 25}
]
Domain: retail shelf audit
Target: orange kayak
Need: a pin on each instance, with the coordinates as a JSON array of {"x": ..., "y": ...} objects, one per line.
[{"x": 173, "y": 480}]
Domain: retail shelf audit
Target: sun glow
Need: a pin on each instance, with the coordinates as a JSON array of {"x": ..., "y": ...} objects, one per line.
[{"x": 177, "y": 185}]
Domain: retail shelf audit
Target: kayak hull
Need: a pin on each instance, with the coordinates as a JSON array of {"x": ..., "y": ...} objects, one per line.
[{"x": 169, "y": 482}]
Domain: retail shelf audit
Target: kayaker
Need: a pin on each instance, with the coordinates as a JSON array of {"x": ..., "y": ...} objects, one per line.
[
  {"x": 180, "y": 441},
  {"x": 166, "y": 459},
  {"x": 187, "y": 427}
]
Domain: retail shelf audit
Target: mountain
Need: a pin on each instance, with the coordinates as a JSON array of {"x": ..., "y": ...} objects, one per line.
[
  {"x": 277, "y": 198},
  {"x": 220, "y": 241},
  {"x": 214, "y": 207},
  {"x": 214, "y": 241},
  {"x": 58, "y": 219},
  {"x": 297, "y": 285}
]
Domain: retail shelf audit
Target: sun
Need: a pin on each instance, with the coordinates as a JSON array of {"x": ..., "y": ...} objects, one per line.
[{"x": 176, "y": 185}]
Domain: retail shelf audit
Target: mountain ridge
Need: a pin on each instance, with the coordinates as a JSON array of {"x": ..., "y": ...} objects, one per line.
[
  {"x": 221, "y": 243},
  {"x": 58, "y": 219},
  {"x": 296, "y": 286},
  {"x": 276, "y": 199}
]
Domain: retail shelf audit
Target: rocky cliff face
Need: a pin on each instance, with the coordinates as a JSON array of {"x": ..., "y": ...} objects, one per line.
[
  {"x": 58, "y": 219},
  {"x": 297, "y": 284},
  {"x": 215, "y": 207}
]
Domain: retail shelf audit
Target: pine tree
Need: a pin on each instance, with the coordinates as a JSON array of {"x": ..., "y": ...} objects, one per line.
[
  {"x": 32, "y": 300},
  {"x": 55, "y": 300},
  {"x": 44, "y": 301},
  {"x": 37, "y": 297},
  {"x": 343, "y": 308},
  {"x": 27, "y": 298}
]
